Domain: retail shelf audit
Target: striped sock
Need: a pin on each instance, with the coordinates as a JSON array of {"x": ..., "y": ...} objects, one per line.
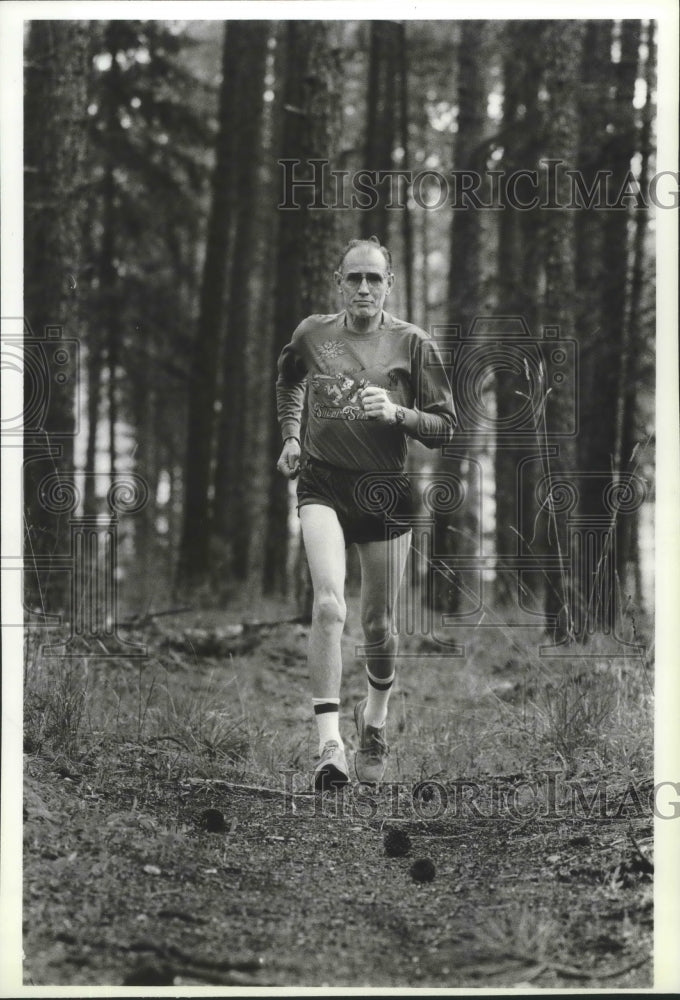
[
  {"x": 379, "y": 689},
  {"x": 327, "y": 715}
]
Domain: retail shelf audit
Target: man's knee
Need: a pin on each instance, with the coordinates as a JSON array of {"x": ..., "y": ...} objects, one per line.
[
  {"x": 329, "y": 610},
  {"x": 376, "y": 624}
]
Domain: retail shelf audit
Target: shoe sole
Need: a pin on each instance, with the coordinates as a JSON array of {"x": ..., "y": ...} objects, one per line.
[{"x": 330, "y": 778}]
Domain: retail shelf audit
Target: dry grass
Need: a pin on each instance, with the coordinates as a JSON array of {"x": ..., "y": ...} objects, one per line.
[{"x": 502, "y": 709}]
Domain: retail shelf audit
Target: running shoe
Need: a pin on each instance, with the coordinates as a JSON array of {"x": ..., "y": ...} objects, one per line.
[
  {"x": 371, "y": 757},
  {"x": 331, "y": 772}
]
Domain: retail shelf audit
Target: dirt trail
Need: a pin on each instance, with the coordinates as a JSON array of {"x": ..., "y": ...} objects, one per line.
[{"x": 147, "y": 862}]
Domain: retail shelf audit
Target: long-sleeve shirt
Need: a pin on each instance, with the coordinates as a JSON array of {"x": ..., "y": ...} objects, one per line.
[{"x": 326, "y": 365}]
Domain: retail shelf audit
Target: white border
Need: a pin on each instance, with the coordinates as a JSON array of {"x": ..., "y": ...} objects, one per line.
[{"x": 12, "y": 14}]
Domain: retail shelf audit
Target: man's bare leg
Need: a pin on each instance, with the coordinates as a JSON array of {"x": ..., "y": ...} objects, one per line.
[
  {"x": 325, "y": 548},
  {"x": 382, "y": 569}
]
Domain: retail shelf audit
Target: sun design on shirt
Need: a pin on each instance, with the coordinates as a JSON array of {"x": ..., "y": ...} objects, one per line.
[{"x": 332, "y": 349}]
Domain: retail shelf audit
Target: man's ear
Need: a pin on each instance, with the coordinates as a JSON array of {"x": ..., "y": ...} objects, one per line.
[
  {"x": 337, "y": 277},
  {"x": 390, "y": 283}
]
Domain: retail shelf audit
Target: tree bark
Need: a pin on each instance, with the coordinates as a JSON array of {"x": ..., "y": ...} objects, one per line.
[
  {"x": 381, "y": 119},
  {"x": 232, "y": 504},
  {"x": 55, "y": 152},
  {"x": 406, "y": 221},
  {"x": 606, "y": 343},
  {"x": 606, "y": 349},
  {"x": 194, "y": 547},
  {"x": 306, "y": 240},
  {"x": 457, "y": 532},
  {"x": 638, "y": 330},
  {"x": 518, "y": 271},
  {"x": 563, "y": 43}
]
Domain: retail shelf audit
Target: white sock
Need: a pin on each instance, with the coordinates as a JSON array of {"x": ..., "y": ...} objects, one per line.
[
  {"x": 327, "y": 713},
  {"x": 379, "y": 689}
]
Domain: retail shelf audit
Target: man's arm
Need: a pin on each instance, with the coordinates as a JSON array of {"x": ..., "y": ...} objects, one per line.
[
  {"x": 433, "y": 419},
  {"x": 290, "y": 399},
  {"x": 290, "y": 388}
]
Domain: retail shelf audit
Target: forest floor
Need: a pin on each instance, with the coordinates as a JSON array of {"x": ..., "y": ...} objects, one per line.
[{"x": 171, "y": 835}]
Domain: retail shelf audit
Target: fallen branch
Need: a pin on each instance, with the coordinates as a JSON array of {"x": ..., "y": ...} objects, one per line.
[
  {"x": 261, "y": 792},
  {"x": 240, "y": 965},
  {"x": 138, "y": 620},
  {"x": 223, "y": 972},
  {"x": 251, "y": 626},
  {"x": 534, "y": 969},
  {"x": 172, "y": 951}
]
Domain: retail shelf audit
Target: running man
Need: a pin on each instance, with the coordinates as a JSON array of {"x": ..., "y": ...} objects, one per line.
[{"x": 369, "y": 382}]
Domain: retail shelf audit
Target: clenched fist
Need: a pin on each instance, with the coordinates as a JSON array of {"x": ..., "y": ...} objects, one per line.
[
  {"x": 289, "y": 459},
  {"x": 377, "y": 404}
]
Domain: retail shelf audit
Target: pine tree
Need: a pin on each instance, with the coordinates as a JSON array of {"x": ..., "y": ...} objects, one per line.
[
  {"x": 232, "y": 505},
  {"x": 55, "y": 156},
  {"x": 306, "y": 239},
  {"x": 563, "y": 43},
  {"x": 457, "y": 532},
  {"x": 517, "y": 280},
  {"x": 194, "y": 548},
  {"x": 381, "y": 118}
]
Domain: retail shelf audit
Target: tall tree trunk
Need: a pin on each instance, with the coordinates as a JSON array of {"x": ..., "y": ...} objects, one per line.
[
  {"x": 563, "y": 43},
  {"x": 147, "y": 466},
  {"x": 94, "y": 364},
  {"x": 108, "y": 277},
  {"x": 108, "y": 288},
  {"x": 306, "y": 241},
  {"x": 232, "y": 518},
  {"x": 600, "y": 406},
  {"x": 606, "y": 349},
  {"x": 94, "y": 379},
  {"x": 518, "y": 270},
  {"x": 406, "y": 222},
  {"x": 457, "y": 532},
  {"x": 194, "y": 546},
  {"x": 55, "y": 153},
  {"x": 636, "y": 330},
  {"x": 594, "y": 109},
  {"x": 591, "y": 273},
  {"x": 381, "y": 119}
]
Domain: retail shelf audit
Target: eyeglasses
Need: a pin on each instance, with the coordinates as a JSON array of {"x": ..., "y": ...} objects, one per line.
[{"x": 373, "y": 278}]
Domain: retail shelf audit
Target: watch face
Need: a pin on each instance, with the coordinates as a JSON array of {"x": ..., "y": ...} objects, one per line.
[{"x": 399, "y": 415}]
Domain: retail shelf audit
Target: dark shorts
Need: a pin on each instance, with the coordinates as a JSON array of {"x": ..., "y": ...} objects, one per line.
[{"x": 371, "y": 506}]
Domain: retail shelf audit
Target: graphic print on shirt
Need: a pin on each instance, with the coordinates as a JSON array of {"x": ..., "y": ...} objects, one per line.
[
  {"x": 331, "y": 349},
  {"x": 335, "y": 389},
  {"x": 337, "y": 397}
]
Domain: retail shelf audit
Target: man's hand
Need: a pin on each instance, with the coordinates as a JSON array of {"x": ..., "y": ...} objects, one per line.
[
  {"x": 377, "y": 405},
  {"x": 289, "y": 459}
]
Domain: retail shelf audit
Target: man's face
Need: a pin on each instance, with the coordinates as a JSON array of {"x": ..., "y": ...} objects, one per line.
[{"x": 364, "y": 282}]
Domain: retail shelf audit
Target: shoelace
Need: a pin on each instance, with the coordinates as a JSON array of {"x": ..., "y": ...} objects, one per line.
[
  {"x": 328, "y": 750},
  {"x": 378, "y": 745}
]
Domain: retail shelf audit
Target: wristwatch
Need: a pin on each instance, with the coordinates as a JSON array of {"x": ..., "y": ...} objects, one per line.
[{"x": 399, "y": 414}]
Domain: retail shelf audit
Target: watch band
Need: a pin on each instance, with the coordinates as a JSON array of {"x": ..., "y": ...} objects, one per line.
[{"x": 399, "y": 415}]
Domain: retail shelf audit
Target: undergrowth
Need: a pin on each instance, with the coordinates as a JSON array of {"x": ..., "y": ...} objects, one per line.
[{"x": 588, "y": 715}]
